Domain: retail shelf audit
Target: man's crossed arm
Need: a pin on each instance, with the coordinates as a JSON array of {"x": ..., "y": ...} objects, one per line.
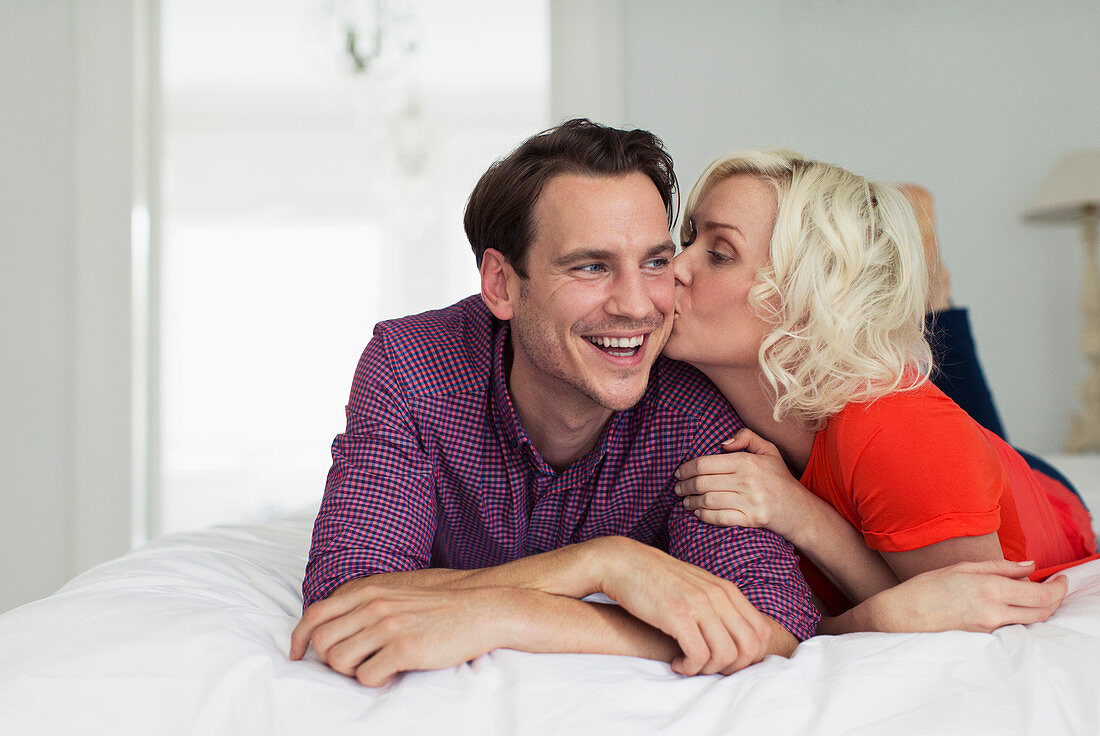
[{"x": 373, "y": 628}]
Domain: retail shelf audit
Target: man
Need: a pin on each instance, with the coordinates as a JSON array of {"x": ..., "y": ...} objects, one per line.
[{"x": 512, "y": 454}]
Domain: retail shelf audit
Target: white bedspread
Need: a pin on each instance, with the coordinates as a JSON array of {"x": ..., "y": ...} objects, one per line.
[{"x": 190, "y": 635}]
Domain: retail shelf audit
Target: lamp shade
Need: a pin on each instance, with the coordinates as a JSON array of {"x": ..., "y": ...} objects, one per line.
[{"x": 1070, "y": 187}]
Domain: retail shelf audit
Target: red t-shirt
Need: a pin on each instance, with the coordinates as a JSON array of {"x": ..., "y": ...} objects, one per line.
[{"x": 912, "y": 469}]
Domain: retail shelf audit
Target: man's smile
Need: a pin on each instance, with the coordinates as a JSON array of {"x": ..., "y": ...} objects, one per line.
[
  {"x": 618, "y": 346},
  {"x": 623, "y": 349}
]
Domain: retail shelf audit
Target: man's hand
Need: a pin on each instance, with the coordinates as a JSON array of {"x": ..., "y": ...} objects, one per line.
[
  {"x": 374, "y": 632},
  {"x": 715, "y": 626},
  {"x": 968, "y": 596}
]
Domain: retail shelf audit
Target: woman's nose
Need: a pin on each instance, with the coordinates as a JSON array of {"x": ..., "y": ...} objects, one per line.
[{"x": 681, "y": 268}]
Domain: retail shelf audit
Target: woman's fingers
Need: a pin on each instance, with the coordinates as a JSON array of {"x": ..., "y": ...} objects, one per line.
[
  {"x": 1023, "y": 615},
  {"x": 716, "y": 500},
  {"x": 728, "y": 508},
  {"x": 1020, "y": 600},
  {"x": 705, "y": 484},
  {"x": 1047, "y": 595},
  {"x": 753, "y": 489},
  {"x": 737, "y": 443},
  {"x": 1030, "y": 603},
  {"x": 1004, "y": 568},
  {"x": 735, "y": 451},
  {"x": 705, "y": 465},
  {"x": 724, "y": 517},
  {"x": 748, "y": 441},
  {"x": 1006, "y": 598}
]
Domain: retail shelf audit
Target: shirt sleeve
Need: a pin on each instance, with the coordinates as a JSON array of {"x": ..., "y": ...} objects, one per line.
[
  {"x": 762, "y": 564},
  {"x": 921, "y": 472},
  {"x": 379, "y": 509}
]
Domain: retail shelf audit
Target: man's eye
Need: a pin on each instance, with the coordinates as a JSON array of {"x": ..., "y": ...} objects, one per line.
[
  {"x": 591, "y": 268},
  {"x": 656, "y": 263}
]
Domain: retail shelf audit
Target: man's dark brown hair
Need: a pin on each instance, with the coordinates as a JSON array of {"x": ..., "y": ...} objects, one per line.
[{"x": 500, "y": 212}]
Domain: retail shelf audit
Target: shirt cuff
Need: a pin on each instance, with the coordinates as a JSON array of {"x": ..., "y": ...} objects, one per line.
[{"x": 325, "y": 574}]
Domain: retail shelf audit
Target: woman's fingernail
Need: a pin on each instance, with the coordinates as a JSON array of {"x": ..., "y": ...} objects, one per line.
[{"x": 1026, "y": 563}]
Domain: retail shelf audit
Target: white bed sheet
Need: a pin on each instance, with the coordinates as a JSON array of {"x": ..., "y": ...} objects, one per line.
[{"x": 190, "y": 635}]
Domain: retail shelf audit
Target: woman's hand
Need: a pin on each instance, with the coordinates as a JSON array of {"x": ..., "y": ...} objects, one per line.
[
  {"x": 748, "y": 485},
  {"x": 968, "y": 596}
]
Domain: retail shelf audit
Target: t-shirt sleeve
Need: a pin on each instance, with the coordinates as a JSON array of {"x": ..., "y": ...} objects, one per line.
[
  {"x": 762, "y": 564},
  {"x": 920, "y": 471},
  {"x": 379, "y": 509}
]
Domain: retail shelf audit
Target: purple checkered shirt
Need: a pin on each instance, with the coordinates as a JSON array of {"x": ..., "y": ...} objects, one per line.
[{"x": 435, "y": 470}]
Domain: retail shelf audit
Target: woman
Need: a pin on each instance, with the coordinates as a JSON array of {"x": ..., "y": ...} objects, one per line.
[{"x": 801, "y": 295}]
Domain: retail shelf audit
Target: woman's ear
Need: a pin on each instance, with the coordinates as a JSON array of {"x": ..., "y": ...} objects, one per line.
[{"x": 499, "y": 284}]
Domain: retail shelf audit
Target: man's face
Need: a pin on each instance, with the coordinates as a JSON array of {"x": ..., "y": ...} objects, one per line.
[{"x": 597, "y": 306}]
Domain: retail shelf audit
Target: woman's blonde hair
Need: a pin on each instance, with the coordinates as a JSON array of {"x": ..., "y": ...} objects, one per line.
[{"x": 845, "y": 289}]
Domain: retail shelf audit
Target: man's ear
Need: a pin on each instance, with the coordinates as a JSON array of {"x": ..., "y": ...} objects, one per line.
[{"x": 499, "y": 284}]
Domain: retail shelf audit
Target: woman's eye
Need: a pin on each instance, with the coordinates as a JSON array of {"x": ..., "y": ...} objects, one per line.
[{"x": 719, "y": 257}]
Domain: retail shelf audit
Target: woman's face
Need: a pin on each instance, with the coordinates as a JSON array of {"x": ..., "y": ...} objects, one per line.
[{"x": 715, "y": 329}]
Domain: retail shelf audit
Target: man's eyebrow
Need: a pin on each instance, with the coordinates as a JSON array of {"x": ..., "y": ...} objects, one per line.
[
  {"x": 667, "y": 247},
  {"x": 585, "y": 254},
  {"x": 599, "y": 254}
]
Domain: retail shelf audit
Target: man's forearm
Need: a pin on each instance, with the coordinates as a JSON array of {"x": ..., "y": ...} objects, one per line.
[
  {"x": 533, "y": 621},
  {"x": 556, "y": 624},
  {"x": 782, "y": 642},
  {"x": 532, "y": 603},
  {"x": 541, "y": 622},
  {"x": 574, "y": 571},
  {"x": 669, "y": 610}
]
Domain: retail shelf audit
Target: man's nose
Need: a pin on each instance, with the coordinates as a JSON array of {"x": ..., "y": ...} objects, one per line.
[{"x": 631, "y": 297}]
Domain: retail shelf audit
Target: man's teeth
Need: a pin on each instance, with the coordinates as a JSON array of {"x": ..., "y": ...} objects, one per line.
[{"x": 617, "y": 342}]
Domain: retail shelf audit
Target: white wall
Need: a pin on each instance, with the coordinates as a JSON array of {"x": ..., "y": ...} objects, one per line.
[
  {"x": 36, "y": 282},
  {"x": 976, "y": 100},
  {"x": 70, "y": 87}
]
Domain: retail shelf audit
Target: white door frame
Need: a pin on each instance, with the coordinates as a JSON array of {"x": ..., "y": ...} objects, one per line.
[{"x": 116, "y": 53}]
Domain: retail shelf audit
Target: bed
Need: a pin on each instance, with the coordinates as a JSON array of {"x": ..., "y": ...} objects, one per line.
[{"x": 190, "y": 635}]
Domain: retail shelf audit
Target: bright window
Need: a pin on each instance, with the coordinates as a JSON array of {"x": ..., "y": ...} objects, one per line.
[{"x": 302, "y": 203}]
